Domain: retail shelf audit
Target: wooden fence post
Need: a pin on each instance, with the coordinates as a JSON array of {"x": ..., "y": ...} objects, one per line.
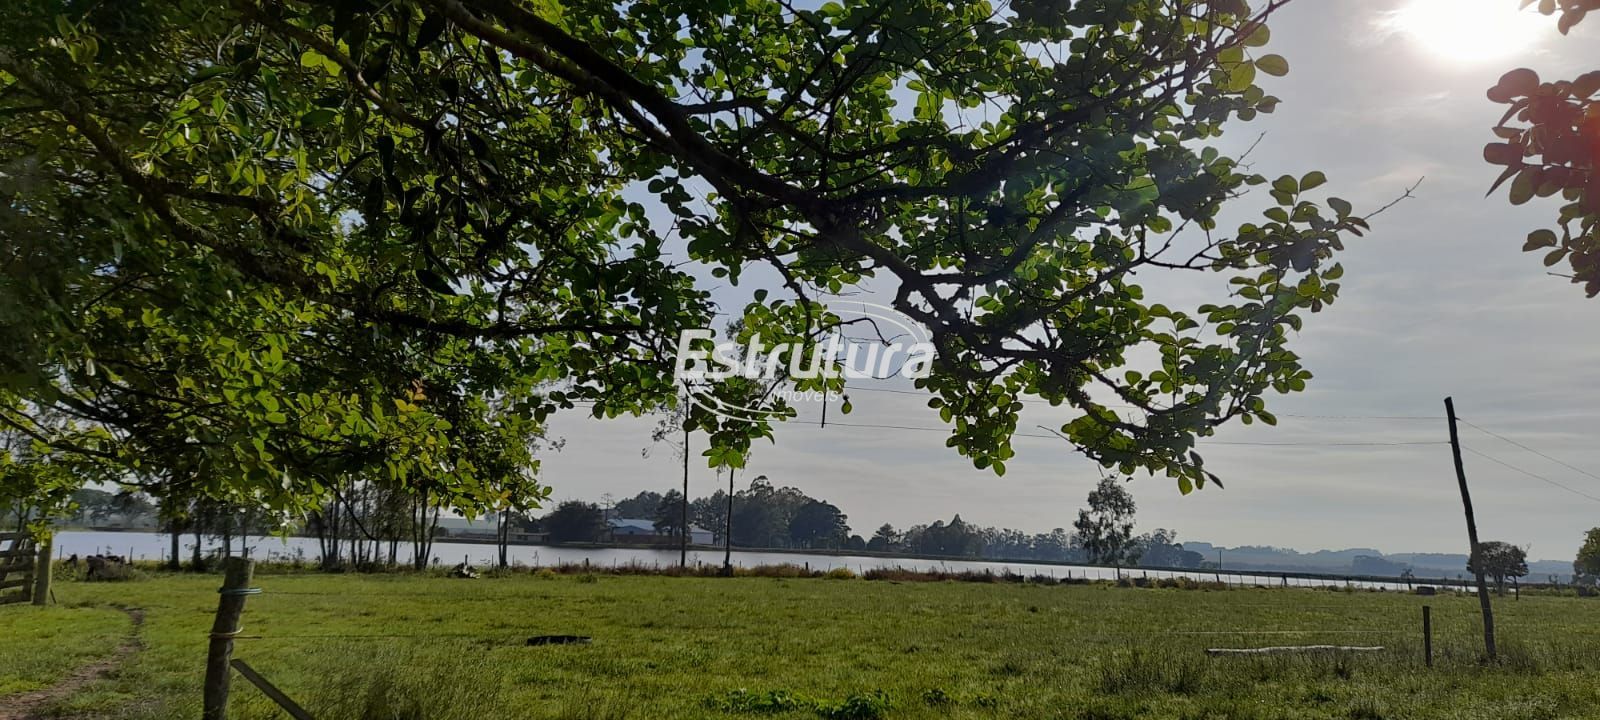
[
  {"x": 41, "y": 572},
  {"x": 237, "y": 573},
  {"x": 1427, "y": 634}
]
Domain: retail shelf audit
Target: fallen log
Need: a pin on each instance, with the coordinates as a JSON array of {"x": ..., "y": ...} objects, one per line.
[{"x": 1290, "y": 649}]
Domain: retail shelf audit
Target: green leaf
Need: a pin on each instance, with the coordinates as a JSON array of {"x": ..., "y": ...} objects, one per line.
[
  {"x": 1523, "y": 188},
  {"x": 317, "y": 118},
  {"x": 1274, "y": 65},
  {"x": 1541, "y": 239}
]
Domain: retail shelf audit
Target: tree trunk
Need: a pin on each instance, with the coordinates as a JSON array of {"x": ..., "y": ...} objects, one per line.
[
  {"x": 503, "y": 536},
  {"x": 727, "y": 537},
  {"x": 175, "y": 532},
  {"x": 683, "y": 540}
]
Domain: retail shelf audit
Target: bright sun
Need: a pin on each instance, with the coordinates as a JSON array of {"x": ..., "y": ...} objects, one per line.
[{"x": 1468, "y": 30}]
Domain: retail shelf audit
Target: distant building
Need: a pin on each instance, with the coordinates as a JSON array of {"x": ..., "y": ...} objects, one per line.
[{"x": 643, "y": 532}]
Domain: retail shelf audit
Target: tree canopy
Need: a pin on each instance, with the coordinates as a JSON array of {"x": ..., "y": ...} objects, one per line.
[
  {"x": 1550, "y": 146},
  {"x": 272, "y": 242},
  {"x": 1501, "y": 561},
  {"x": 1586, "y": 568},
  {"x": 1105, "y": 528}
]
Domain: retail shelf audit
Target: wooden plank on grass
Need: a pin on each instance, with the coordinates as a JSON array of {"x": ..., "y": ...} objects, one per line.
[
  {"x": 271, "y": 691},
  {"x": 15, "y": 567},
  {"x": 1290, "y": 649}
]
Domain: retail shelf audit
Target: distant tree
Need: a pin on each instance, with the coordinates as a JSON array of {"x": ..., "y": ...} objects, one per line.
[
  {"x": 711, "y": 512},
  {"x": 756, "y": 524},
  {"x": 956, "y": 539},
  {"x": 668, "y": 515},
  {"x": 1106, "y": 528},
  {"x": 856, "y": 543},
  {"x": 640, "y": 506},
  {"x": 92, "y": 505},
  {"x": 575, "y": 521},
  {"x": 1057, "y": 545},
  {"x": 818, "y": 524},
  {"x": 1553, "y": 150},
  {"x": 1162, "y": 549},
  {"x": 135, "y": 508},
  {"x": 1586, "y": 569},
  {"x": 884, "y": 540},
  {"x": 1501, "y": 561}
]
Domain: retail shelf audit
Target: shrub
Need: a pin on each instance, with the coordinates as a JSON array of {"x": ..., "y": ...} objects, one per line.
[
  {"x": 771, "y": 701},
  {"x": 1141, "y": 671},
  {"x": 858, "y": 707}
]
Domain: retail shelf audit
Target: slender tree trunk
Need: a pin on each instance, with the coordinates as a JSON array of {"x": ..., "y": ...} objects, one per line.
[
  {"x": 683, "y": 541},
  {"x": 727, "y": 537},
  {"x": 503, "y": 536}
]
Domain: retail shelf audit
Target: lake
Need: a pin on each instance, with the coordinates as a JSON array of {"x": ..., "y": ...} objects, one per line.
[{"x": 155, "y": 546}]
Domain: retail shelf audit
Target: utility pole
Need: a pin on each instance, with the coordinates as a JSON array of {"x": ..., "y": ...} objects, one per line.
[{"x": 1472, "y": 533}]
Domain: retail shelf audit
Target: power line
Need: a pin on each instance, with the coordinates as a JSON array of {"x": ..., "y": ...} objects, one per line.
[
  {"x": 919, "y": 393},
  {"x": 1205, "y": 442},
  {"x": 1566, "y": 465},
  {"x": 1535, "y": 476}
]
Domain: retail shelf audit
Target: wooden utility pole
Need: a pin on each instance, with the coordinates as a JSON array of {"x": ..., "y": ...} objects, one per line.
[
  {"x": 237, "y": 573},
  {"x": 1472, "y": 533},
  {"x": 41, "y": 571}
]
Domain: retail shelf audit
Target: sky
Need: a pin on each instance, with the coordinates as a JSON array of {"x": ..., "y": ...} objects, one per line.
[{"x": 1437, "y": 301}]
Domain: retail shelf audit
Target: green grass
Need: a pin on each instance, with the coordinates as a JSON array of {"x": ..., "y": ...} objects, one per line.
[
  {"x": 404, "y": 647},
  {"x": 41, "y": 645}
]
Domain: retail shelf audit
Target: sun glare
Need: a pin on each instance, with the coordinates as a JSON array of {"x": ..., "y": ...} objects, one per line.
[{"x": 1468, "y": 31}]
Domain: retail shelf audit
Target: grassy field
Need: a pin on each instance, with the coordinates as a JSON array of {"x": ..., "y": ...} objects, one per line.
[{"x": 405, "y": 647}]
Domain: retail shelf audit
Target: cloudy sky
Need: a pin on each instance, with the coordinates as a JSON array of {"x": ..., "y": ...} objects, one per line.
[{"x": 1438, "y": 301}]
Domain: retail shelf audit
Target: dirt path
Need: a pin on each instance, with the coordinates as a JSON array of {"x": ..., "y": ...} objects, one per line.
[{"x": 27, "y": 705}]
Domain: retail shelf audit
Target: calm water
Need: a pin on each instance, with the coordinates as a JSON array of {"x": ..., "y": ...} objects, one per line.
[{"x": 154, "y": 546}]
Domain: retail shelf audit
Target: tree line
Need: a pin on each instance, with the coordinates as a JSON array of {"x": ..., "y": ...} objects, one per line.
[
  {"x": 369, "y": 525},
  {"x": 768, "y": 516}
]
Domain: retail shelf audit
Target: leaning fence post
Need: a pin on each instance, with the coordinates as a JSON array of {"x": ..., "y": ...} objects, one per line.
[
  {"x": 1427, "y": 634},
  {"x": 41, "y": 572},
  {"x": 237, "y": 573},
  {"x": 271, "y": 691}
]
